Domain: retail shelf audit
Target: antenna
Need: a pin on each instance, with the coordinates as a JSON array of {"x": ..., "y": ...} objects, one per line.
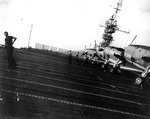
[
  {"x": 30, "y": 35},
  {"x": 111, "y": 27},
  {"x": 119, "y": 5},
  {"x": 133, "y": 39}
]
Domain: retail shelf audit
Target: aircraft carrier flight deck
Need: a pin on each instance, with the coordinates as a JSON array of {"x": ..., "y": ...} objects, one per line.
[{"x": 45, "y": 86}]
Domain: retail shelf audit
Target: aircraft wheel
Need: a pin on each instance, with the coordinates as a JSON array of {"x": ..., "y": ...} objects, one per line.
[{"x": 138, "y": 81}]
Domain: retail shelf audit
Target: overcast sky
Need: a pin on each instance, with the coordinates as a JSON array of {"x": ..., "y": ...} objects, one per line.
[{"x": 72, "y": 24}]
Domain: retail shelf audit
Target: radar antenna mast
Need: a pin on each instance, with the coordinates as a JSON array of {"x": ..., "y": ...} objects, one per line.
[{"x": 111, "y": 26}]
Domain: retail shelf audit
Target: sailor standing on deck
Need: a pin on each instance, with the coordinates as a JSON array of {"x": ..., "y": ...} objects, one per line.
[
  {"x": 9, "y": 41},
  {"x": 77, "y": 58},
  {"x": 86, "y": 58},
  {"x": 70, "y": 57}
]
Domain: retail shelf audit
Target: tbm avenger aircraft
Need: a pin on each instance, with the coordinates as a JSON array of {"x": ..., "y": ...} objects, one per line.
[{"x": 137, "y": 55}]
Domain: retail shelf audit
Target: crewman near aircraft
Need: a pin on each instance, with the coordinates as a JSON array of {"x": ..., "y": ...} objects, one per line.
[
  {"x": 86, "y": 58},
  {"x": 94, "y": 58},
  {"x": 106, "y": 63},
  {"x": 70, "y": 57},
  {"x": 9, "y": 41},
  {"x": 77, "y": 58}
]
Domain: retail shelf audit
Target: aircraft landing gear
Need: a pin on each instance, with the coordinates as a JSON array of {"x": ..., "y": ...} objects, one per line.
[
  {"x": 141, "y": 80},
  {"x": 138, "y": 81}
]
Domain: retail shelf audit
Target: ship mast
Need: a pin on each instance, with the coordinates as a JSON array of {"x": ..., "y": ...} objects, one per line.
[{"x": 111, "y": 27}]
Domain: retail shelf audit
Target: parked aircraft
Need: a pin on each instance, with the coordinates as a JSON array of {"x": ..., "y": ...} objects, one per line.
[{"x": 137, "y": 55}]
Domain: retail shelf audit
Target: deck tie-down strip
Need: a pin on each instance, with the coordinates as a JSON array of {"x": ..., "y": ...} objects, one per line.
[{"x": 75, "y": 104}]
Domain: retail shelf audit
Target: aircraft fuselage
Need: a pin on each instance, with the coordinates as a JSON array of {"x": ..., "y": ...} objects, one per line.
[{"x": 136, "y": 54}]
